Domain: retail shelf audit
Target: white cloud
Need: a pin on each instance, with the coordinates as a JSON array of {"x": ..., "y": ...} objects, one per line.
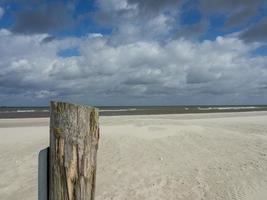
[
  {"x": 178, "y": 71},
  {"x": 115, "y": 5},
  {"x": 2, "y": 12},
  {"x": 131, "y": 23}
]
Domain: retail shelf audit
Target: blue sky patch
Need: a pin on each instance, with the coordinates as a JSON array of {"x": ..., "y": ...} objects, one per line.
[
  {"x": 70, "y": 52},
  {"x": 261, "y": 51},
  {"x": 191, "y": 16}
]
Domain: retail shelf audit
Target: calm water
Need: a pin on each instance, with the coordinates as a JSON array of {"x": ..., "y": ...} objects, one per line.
[{"x": 28, "y": 112}]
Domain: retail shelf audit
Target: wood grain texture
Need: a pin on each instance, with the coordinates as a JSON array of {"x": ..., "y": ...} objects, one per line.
[{"x": 74, "y": 135}]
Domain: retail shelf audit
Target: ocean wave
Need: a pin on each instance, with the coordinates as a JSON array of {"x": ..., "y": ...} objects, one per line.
[
  {"x": 228, "y": 108},
  {"x": 23, "y": 111},
  {"x": 118, "y": 110}
]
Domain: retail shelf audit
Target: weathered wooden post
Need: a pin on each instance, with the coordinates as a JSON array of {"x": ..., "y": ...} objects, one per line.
[{"x": 74, "y": 134}]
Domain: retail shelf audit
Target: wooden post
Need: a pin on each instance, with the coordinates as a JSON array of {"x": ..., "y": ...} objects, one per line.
[{"x": 74, "y": 134}]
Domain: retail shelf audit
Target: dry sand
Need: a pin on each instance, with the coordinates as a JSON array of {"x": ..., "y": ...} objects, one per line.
[{"x": 192, "y": 156}]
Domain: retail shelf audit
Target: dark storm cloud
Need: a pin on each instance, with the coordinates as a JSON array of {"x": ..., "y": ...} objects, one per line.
[
  {"x": 222, "y": 5},
  {"x": 198, "y": 76},
  {"x": 142, "y": 81},
  {"x": 241, "y": 16},
  {"x": 155, "y": 5},
  {"x": 238, "y": 11},
  {"x": 256, "y": 33},
  {"x": 43, "y": 19},
  {"x": 192, "y": 31},
  {"x": 48, "y": 39}
]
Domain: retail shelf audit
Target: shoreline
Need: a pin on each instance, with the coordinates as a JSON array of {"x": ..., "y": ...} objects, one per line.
[
  {"x": 9, "y": 113},
  {"x": 44, "y": 121}
]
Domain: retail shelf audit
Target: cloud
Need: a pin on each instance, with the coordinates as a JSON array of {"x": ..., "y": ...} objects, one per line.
[
  {"x": 48, "y": 39},
  {"x": 151, "y": 6},
  {"x": 238, "y": 11},
  {"x": 156, "y": 5},
  {"x": 192, "y": 31},
  {"x": 225, "y": 5},
  {"x": 176, "y": 71},
  {"x": 240, "y": 16},
  {"x": 43, "y": 19},
  {"x": 130, "y": 22},
  {"x": 2, "y": 12},
  {"x": 256, "y": 32},
  {"x": 199, "y": 76}
]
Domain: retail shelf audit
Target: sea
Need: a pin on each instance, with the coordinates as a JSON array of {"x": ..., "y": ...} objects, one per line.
[{"x": 39, "y": 112}]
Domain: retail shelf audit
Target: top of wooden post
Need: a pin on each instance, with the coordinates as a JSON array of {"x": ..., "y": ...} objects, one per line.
[{"x": 54, "y": 104}]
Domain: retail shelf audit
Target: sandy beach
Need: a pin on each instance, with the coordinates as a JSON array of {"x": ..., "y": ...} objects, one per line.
[{"x": 218, "y": 156}]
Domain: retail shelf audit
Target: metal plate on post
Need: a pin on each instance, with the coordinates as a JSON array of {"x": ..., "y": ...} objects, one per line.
[{"x": 43, "y": 174}]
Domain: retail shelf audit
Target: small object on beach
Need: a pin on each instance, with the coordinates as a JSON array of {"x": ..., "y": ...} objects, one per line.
[{"x": 161, "y": 158}]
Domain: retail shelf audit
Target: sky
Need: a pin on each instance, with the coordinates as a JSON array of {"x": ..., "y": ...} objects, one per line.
[{"x": 133, "y": 52}]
